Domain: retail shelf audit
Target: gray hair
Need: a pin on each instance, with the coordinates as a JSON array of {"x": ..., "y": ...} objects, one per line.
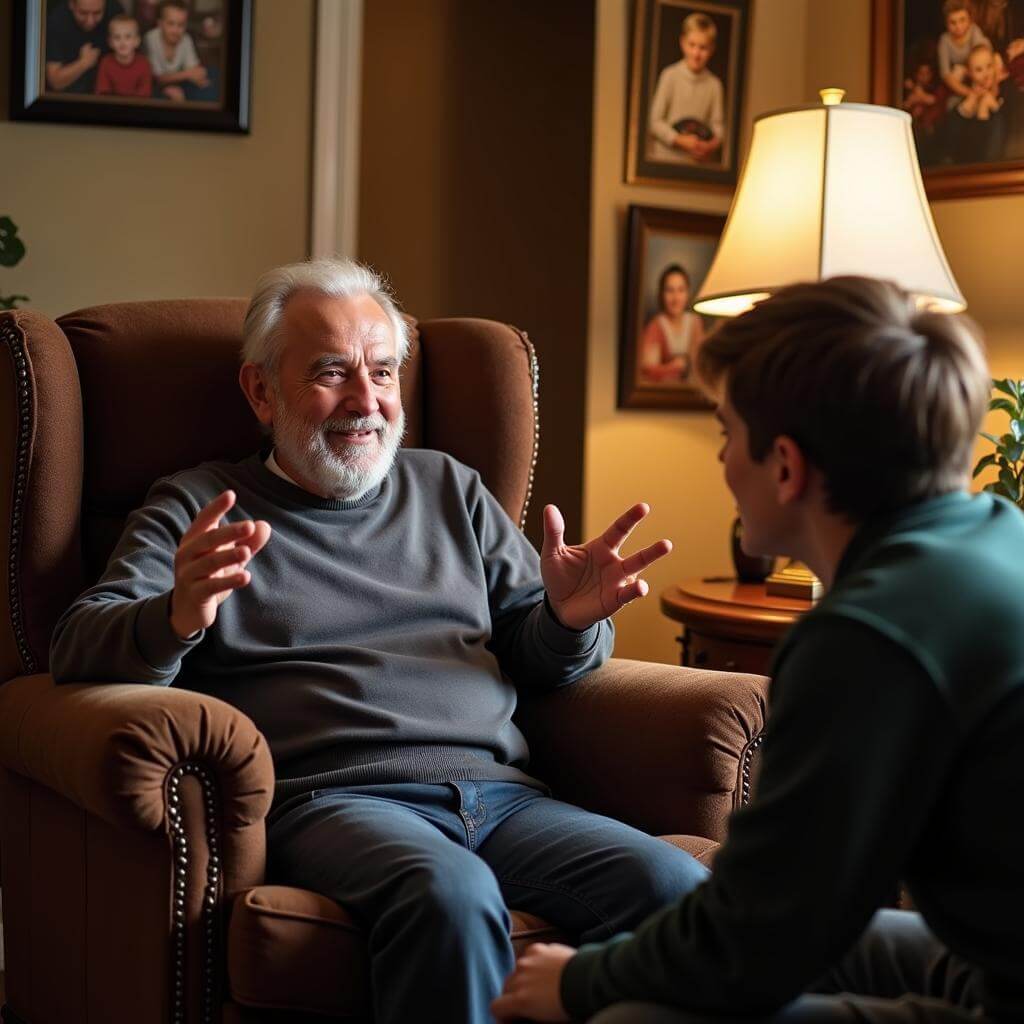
[{"x": 338, "y": 278}]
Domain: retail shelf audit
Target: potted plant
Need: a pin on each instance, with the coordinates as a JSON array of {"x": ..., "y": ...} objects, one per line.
[
  {"x": 1008, "y": 456},
  {"x": 12, "y": 249}
]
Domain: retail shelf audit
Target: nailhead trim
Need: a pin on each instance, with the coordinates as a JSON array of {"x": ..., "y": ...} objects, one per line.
[
  {"x": 211, "y": 892},
  {"x": 747, "y": 759},
  {"x": 531, "y": 353},
  {"x": 23, "y": 387}
]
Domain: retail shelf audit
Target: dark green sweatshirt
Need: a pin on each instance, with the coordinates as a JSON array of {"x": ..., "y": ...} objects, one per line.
[
  {"x": 378, "y": 640},
  {"x": 893, "y": 752}
]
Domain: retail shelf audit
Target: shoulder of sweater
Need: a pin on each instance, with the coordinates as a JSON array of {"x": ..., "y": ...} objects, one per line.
[
  {"x": 206, "y": 480},
  {"x": 432, "y": 461}
]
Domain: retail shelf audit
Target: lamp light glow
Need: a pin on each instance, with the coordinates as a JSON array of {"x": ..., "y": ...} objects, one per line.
[{"x": 827, "y": 190}]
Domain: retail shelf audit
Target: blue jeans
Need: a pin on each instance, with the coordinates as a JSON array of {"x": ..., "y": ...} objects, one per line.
[
  {"x": 429, "y": 870},
  {"x": 896, "y": 973}
]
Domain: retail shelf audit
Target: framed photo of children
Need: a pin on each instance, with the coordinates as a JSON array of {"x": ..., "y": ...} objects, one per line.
[
  {"x": 957, "y": 67},
  {"x": 668, "y": 253},
  {"x": 685, "y": 92},
  {"x": 141, "y": 63}
]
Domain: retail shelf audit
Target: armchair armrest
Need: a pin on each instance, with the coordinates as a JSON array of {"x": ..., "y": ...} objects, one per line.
[
  {"x": 667, "y": 749},
  {"x": 110, "y": 748},
  {"x": 131, "y": 815}
]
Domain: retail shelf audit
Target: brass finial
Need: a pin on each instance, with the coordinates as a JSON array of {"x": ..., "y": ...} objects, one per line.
[{"x": 830, "y": 97}]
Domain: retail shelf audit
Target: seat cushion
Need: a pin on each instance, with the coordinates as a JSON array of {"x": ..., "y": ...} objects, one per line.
[{"x": 291, "y": 949}]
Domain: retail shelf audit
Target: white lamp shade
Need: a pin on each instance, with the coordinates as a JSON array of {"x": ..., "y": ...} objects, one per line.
[{"x": 829, "y": 190}]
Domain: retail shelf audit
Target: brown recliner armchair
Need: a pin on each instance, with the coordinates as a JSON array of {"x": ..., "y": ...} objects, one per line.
[{"x": 131, "y": 816}]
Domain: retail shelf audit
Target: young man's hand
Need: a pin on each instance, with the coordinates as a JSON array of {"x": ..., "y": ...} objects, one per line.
[
  {"x": 534, "y": 989},
  {"x": 589, "y": 582},
  {"x": 210, "y": 563}
]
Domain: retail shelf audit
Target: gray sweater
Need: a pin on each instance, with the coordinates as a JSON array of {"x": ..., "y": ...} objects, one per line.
[{"x": 378, "y": 640}]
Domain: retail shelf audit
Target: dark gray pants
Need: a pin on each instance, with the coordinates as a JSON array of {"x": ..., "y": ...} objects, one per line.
[{"x": 897, "y": 973}]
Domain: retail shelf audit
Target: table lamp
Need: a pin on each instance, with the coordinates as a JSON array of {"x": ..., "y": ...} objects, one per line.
[{"x": 829, "y": 189}]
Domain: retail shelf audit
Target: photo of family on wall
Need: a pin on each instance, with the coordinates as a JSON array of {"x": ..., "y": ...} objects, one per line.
[
  {"x": 159, "y": 63},
  {"x": 668, "y": 256},
  {"x": 685, "y": 90},
  {"x": 957, "y": 67}
]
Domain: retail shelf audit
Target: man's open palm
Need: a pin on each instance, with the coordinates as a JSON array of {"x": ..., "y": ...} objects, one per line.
[{"x": 589, "y": 582}]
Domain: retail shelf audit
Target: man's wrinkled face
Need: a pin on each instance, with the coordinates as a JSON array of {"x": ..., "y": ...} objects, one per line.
[
  {"x": 87, "y": 13},
  {"x": 338, "y": 416}
]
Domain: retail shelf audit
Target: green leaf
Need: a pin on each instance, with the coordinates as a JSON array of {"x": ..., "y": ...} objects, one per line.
[
  {"x": 1008, "y": 387},
  {"x": 992, "y": 488},
  {"x": 11, "y": 301},
  {"x": 1014, "y": 451},
  {"x": 1010, "y": 486},
  {"x": 12, "y": 248},
  {"x": 990, "y": 437},
  {"x": 1003, "y": 404},
  {"x": 1006, "y": 440},
  {"x": 984, "y": 463}
]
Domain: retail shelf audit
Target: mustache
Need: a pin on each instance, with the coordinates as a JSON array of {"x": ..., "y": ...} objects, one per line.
[{"x": 355, "y": 423}]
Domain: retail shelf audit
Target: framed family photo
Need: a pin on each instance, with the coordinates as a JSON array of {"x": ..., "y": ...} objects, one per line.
[
  {"x": 957, "y": 67},
  {"x": 686, "y": 86},
  {"x": 144, "y": 63},
  {"x": 668, "y": 254}
]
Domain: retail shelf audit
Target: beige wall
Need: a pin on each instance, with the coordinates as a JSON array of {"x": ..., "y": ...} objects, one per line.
[
  {"x": 121, "y": 213},
  {"x": 668, "y": 459}
]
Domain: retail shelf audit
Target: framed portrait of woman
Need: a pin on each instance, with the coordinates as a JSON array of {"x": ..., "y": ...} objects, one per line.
[
  {"x": 957, "y": 68},
  {"x": 686, "y": 87},
  {"x": 667, "y": 257}
]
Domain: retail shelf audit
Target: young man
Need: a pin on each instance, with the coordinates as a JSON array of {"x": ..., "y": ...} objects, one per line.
[{"x": 898, "y": 702}]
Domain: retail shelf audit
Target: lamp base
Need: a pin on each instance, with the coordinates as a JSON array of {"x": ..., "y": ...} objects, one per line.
[{"x": 794, "y": 580}]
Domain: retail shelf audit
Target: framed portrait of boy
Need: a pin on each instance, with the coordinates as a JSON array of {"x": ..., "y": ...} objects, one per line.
[
  {"x": 686, "y": 84},
  {"x": 182, "y": 64},
  {"x": 957, "y": 68},
  {"x": 668, "y": 254}
]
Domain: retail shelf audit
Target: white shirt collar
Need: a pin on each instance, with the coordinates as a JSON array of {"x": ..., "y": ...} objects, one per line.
[{"x": 272, "y": 464}]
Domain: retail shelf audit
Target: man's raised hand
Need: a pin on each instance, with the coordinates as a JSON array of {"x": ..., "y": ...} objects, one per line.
[
  {"x": 589, "y": 582},
  {"x": 210, "y": 563}
]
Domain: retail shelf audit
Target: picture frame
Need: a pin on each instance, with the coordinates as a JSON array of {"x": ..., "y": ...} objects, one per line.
[
  {"x": 975, "y": 152},
  {"x": 683, "y": 124},
  {"x": 184, "y": 65},
  {"x": 667, "y": 252}
]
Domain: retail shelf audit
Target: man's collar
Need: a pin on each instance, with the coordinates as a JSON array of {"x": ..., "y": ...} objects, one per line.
[{"x": 272, "y": 464}]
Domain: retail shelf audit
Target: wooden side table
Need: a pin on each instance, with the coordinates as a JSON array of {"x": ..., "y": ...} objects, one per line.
[{"x": 729, "y": 626}]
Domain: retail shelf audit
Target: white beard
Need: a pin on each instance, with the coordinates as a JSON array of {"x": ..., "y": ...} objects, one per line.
[{"x": 341, "y": 471}]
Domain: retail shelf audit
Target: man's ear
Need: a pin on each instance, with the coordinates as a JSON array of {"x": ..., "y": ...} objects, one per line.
[
  {"x": 257, "y": 389},
  {"x": 791, "y": 470}
]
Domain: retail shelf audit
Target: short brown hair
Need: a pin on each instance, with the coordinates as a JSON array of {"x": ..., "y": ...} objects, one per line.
[
  {"x": 952, "y": 6},
  {"x": 883, "y": 398}
]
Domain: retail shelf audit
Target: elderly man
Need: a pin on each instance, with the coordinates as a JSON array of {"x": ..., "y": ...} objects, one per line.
[
  {"x": 370, "y": 609},
  {"x": 76, "y": 38}
]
